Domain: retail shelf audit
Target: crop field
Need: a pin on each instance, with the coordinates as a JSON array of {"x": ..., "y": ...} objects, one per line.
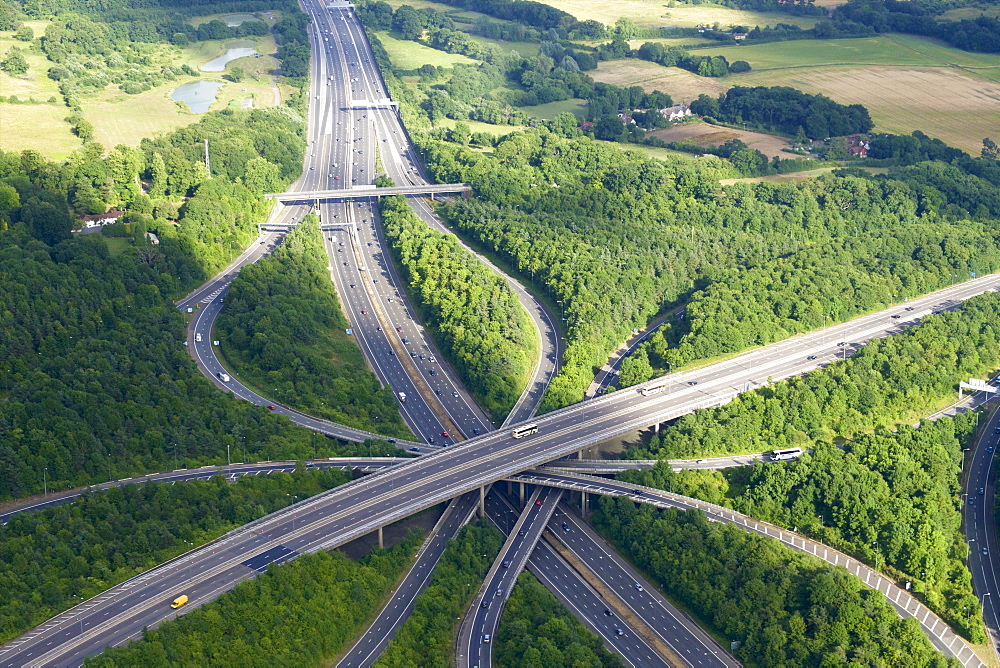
[
  {"x": 655, "y": 14},
  {"x": 706, "y": 135},
  {"x": 681, "y": 85},
  {"x": 907, "y": 83},
  {"x": 408, "y": 55}
]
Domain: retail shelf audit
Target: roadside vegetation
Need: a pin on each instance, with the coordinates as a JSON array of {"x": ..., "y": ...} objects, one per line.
[
  {"x": 428, "y": 637},
  {"x": 890, "y": 498},
  {"x": 284, "y": 332},
  {"x": 53, "y": 559},
  {"x": 537, "y": 630},
  {"x": 302, "y": 613},
  {"x": 782, "y": 607},
  {"x": 473, "y": 313}
]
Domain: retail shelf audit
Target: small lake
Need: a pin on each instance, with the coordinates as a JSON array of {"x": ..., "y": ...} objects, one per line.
[
  {"x": 197, "y": 95},
  {"x": 234, "y": 50},
  {"x": 236, "y": 19}
]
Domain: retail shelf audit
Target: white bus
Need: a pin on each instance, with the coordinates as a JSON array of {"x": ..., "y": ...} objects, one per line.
[
  {"x": 653, "y": 389},
  {"x": 526, "y": 430},
  {"x": 786, "y": 454}
]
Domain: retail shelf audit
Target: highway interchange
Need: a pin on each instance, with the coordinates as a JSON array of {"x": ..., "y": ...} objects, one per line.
[{"x": 337, "y": 516}]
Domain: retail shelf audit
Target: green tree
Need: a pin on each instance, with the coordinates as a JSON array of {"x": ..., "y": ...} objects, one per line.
[
  {"x": 24, "y": 34},
  {"x": 236, "y": 74},
  {"x": 14, "y": 63}
]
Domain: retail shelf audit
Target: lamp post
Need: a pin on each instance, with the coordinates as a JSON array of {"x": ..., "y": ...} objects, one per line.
[
  {"x": 110, "y": 477},
  {"x": 45, "y": 481}
]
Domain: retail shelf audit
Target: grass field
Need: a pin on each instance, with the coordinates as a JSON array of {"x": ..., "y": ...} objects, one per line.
[
  {"x": 907, "y": 83},
  {"x": 36, "y": 126},
  {"x": 477, "y": 126},
  {"x": 552, "y": 109},
  {"x": 523, "y": 48},
  {"x": 125, "y": 119},
  {"x": 408, "y": 55},
  {"x": 681, "y": 85},
  {"x": 655, "y": 13}
]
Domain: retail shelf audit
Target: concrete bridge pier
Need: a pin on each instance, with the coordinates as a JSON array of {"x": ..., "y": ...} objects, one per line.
[{"x": 381, "y": 542}]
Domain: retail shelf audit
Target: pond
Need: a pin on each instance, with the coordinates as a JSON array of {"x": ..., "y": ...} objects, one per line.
[
  {"x": 236, "y": 19},
  {"x": 197, "y": 95},
  {"x": 234, "y": 50}
]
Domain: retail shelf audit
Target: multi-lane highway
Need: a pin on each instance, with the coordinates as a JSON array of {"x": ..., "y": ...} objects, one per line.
[
  {"x": 474, "y": 646},
  {"x": 337, "y": 516},
  {"x": 980, "y": 524},
  {"x": 576, "y": 594},
  {"x": 671, "y": 627},
  {"x": 397, "y": 610}
]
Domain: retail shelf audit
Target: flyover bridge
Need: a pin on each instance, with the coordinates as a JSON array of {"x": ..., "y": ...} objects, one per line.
[{"x": 307, "y": 196}]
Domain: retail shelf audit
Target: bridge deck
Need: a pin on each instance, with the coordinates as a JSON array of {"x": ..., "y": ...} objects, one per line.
[{"x": 370, "y": 191}]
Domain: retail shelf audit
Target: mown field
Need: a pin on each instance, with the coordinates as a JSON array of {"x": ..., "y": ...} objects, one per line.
[
  {"x": 36, "y": 126},
  {"x": 409, "y": 55},
  {"x": 655, "y": 14},
  {"x": 907, "y": 83}
]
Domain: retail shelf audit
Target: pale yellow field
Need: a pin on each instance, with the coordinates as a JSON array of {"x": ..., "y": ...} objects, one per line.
[
  {"x": 958, "y": 108},
  {"x": 655, "y": 13},
  {"x": 125, "y": 119},
  {"x": 39, "y": 127},
  {"x": 681, "y": 85},
  {"x": 408, "y": 55},
  {"x": 954, "y": 107}
]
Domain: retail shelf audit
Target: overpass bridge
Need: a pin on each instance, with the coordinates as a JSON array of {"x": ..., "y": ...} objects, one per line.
[{"x": 308, "y": 196}]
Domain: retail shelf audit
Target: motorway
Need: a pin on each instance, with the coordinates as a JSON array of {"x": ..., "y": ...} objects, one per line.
[
  {"x": 397, "y": 610},
  {"x": 979, "y": 493},
  {"x": 575, "y": 593},
  {"x": 671, "y": 627},
  {"x": 340, "y": 515},
  {"x": 479, "y": 627}
]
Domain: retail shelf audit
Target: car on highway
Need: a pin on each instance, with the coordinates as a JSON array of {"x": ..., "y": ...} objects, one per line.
[
  {"x": 414, "y": 449},
  {"x": 896, "y": 316},
  {"x": 639, "y": 587},
  {"x": 475, "y": 431},
  {"x": 486, "y": 636},
  {"x": 538, "y": 503},
  {"x": 455, "y": 394},
  {"x": 399, "y": 329},
  {"x": 352, "y": 285},
  {"x": 608, "y": 612},
  {"x": 811, "y": 357},
  {"x": 430, "y": 439},
  {"x": 446, "y": 434},
  {"x": 432, "y": 372},
  {"x": 565, "y": 526},
  {"x": 364, "y": 313},
  {"x": 692, "y": 382},
  {"x": 439, "y": 393},
  {"x": 505, "y": 563},
  {"x": 619, "y": 632},
  {"x": 499, "y": 593},
  {"x": 982, "y": 491},
  {"x": 985, "y": 551},
  {"x": 522, "y": 531},
  {"x": 485, "y": 604},
  {"x": 989, "y": 449},
  {"x": 270, "y": 408}
]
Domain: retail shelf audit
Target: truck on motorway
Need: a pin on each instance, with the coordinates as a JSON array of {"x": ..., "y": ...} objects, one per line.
[
  {"x": 179, "y": 601},
  {"x": 652, "y": 389},
  {"x": 224, "y": 377},
  {"x": 197, "y": 337},
  {"x": 402, "y": 397}
]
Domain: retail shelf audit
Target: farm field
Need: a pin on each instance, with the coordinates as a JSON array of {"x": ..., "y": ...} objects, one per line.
[
  {"x": 907, "y": 83},
  {"x": 882, "y": 50},
  {"x": 705, "y": 134},
  {"x": 655, "y": 14},
  {"x": 408, "y": 55},
  {"x": 523, "y": 48},
  {"x": 681, "y": 85}
]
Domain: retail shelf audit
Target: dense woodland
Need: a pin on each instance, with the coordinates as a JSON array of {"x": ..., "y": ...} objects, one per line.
[
  {"x": 427, "y": 638},
  {"x": 783, "y": 607},
  {"x": 473, "y": 313},
  {"x": 53, "y": 559},
  {"x": 302, "y": 613},
  {"x": 617, "y": 237},
  {"x": 283, "y": 332},
  {"x": 892, "y": 499},
  {"x": 537, "y": 631}
]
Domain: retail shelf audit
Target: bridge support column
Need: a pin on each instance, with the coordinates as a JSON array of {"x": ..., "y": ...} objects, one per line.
[
  {"x": 521, "y": 495},
  {"x": 583, "y": 504},
  {"x": 482, "y": 502},
  {"x": 656, "y": 428},
  {"x": 381, "y": 542},
  {"x": 579, "y": 455}
]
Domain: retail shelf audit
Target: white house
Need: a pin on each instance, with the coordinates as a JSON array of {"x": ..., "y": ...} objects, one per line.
[{"x": 676, "y": 112}]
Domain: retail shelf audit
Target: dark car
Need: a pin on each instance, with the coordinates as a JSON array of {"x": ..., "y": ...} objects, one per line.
[
  {"x": 565, "y": 526},
  {"x": 485, "y": 604},
  {"x": 692, "y": 382},
  {"x": 476, "y": 432},
  {"x": 414, "y": 449},
  {"x": 608, "y": 612},
  {"x": 811, "y": 357},
  {"x": 619, "y": 632},
  {"x": 505, "y": 563},
  {"x": 521, "y": 532}
]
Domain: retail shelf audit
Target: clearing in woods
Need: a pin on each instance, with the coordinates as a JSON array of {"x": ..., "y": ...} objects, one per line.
[{"x": 705, "y": 135}]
